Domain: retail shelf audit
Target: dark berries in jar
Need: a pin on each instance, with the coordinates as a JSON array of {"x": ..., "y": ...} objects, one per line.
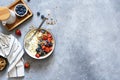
[{"x": 20, "y": 9}]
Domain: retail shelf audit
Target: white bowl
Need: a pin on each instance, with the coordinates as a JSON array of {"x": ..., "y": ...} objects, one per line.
[
  {"x": 33, "y": 55},
  {"x": 17, "y": 13}
]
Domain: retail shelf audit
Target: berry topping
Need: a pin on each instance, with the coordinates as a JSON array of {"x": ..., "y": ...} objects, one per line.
[
  {"x": 43, "y": 53},
  {"x": 49, "y": 35},
  {"x": 37, "y": 55},
  {"x": 49, "y": 39},
  {"x": 43, "y": 47},
  {"x": 47, "y": 49},
  {"x": 38, "y": 49},
  {"x": 45, "y": 37},
  {"x": 43, "y": 31}
]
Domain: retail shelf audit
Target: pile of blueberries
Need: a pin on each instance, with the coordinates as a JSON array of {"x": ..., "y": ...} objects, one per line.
[{"x": 20, "y": 9}]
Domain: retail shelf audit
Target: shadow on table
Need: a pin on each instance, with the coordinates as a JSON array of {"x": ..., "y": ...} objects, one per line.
[
  {"x": 4, "y": 71},
  {"x": 39, "y": 64},
  {"x": 35, "y": 64},
  {"x": 16, "y": 78}
]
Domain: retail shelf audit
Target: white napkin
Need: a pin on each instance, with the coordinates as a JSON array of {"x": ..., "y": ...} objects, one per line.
[{"x": 12, "y": 50}]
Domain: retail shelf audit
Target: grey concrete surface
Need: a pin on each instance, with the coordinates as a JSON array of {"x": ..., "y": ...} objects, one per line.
[{"x": 87, "y": 40}]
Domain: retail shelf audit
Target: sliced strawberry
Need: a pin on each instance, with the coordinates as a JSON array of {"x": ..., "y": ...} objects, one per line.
[
  {"x": 49, "y": 35},
  {"x": 43, "y": 47},
  {"x": 50, "y": 48},
  {"x": 44, "y": 37},
  {"x": 37, "y": 55},
  {"x": 47, "y": 49},
  {"x": 49, "y": 39}
]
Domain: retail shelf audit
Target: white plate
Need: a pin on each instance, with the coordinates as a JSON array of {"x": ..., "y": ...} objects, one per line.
[{"x": 31, "y": 54}]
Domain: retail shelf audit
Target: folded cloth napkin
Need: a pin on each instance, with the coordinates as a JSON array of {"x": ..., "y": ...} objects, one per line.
[{"x": 11, "y": 49}]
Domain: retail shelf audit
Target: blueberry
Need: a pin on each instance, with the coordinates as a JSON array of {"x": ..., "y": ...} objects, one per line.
[
  {"x": 28, "y": 0},
  {"x": 43, "y": 31},
  {"x": 43, "y": 53},
  {"x": 38, "y": 50},
  {"x": 38, "y": 13},
  {"x": 22, "y": 13},
  {"x": 41, "y": 40},
  {"x": 22, "y": 6},
  {"x": 47, "y": 41},
  {"x": 42, "y": 16},
  {"x": 21, "y": 9},
  {"x": 18, "y": 12},
  {"x": 39, "y": 46},
  {"x": 49, "y": 44},
  {"x": 16, "y": 9},
  {"x": 19, "y": 6},
  {"x": 24, "y": 10}
]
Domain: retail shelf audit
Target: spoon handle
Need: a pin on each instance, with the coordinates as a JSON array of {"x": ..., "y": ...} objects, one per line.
[
  {"x": 42, "y": 23},
  {"x": 38, "y": 28}
]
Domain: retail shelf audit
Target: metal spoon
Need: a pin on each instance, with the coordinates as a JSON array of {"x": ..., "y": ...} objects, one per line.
[
  {"x": 27, "y": 41},
  {"x": 37, "y": 29}
]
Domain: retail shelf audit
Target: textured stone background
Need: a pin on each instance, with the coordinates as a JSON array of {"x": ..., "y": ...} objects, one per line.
[{"x": 87, "y": 40}]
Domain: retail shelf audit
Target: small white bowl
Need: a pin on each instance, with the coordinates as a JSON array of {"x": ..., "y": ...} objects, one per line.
[
  {"x": 24, "y": 13},
  {"x": 31, "y": 54}
]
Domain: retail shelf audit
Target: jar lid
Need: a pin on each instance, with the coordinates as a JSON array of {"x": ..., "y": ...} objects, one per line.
[{"x": 4, "y": 13}]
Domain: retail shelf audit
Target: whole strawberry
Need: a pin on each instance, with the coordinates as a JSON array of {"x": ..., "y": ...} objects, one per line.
[
  {"x": 18, "y": 32},
  {"x": 27, "y": 65}
]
